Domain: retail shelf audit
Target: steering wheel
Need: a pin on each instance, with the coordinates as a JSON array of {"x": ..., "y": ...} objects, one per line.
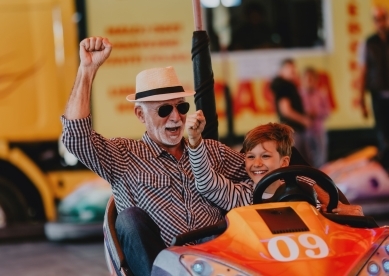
[{"x": 294, "y": 190}]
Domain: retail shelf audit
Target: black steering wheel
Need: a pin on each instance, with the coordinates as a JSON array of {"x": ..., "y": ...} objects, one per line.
[{"x": 294, "y": 190}]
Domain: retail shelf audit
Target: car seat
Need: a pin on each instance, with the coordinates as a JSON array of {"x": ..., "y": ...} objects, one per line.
[{"x": 115, "y": 258}]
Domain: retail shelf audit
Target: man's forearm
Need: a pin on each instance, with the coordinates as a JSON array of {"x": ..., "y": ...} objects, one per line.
[
  {"x": 287, "y": 111},
  {"x": 362, "y": 82},
  {"x": 78, "y": 106}
]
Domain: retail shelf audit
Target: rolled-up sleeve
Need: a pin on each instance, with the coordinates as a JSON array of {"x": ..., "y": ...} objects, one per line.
[{"x": 101, "y": 155}]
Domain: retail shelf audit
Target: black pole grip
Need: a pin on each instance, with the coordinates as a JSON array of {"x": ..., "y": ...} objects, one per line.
[{"x": 204, "y": 83}]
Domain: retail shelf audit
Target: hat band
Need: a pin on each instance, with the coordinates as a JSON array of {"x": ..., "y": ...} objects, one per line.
[{"x": 159, "y": 91}]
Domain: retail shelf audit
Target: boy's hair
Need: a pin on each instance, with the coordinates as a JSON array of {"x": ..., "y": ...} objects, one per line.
[{"x": 280, "y": 133}]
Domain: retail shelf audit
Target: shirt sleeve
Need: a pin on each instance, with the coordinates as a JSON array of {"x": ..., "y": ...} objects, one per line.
[
  {"x": 103, "y": 156},
  {"x": 279, "y": 88},
  {"x": 214, "y": 186},
  {"x": 232, "y": 167},
  {"x": 312, "y": 183}
]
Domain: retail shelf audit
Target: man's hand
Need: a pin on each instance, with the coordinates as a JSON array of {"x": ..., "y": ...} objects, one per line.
[
  {"x": 194, "y": 125},
  {"x": 342, "y": 209},
  {"x": 94, "y": 51}
]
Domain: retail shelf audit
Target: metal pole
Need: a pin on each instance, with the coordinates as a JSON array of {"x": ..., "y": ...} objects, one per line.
[{"x": 197, "y": 15}]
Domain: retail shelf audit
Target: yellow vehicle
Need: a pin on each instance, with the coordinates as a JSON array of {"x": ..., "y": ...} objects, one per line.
[{"x": 39, "y": 58}]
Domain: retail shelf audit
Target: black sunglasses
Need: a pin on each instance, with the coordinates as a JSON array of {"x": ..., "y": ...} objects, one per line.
[{"x": 165, "y": 110}]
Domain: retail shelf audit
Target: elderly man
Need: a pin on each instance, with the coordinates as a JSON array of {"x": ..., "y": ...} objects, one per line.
[{"x": 152, "y": 181}]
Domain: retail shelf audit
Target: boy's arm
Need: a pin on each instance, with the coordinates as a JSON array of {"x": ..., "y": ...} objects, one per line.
[
  {"x": 214, "y": 186},
  {"x": 231, "y": 161},
  {"x": 342, "y": 209}
]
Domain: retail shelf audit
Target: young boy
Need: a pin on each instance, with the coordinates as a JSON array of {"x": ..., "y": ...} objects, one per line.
[{"x": 266, "y": 148}]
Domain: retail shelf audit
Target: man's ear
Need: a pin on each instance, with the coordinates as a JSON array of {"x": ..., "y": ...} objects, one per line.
[
  {"x": 285, "y": 161},
  {"x": 139, "y": 113}
]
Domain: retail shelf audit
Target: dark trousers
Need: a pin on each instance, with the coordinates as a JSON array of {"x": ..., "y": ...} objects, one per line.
[
  {"x": 139, "y": 238},
  {"x": 380, "y": 102}
]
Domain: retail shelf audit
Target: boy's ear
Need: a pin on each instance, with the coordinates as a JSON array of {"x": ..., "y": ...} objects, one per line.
[{"x": 285, "y": 160}]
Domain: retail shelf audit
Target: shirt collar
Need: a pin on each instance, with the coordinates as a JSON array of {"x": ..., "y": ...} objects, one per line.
[{"x": 155, "y": 149}]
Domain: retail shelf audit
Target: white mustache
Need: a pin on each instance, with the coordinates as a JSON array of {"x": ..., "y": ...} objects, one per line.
[{"x": 173, "y": 126}]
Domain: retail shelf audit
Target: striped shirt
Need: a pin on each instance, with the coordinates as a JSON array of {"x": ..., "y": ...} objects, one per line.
[
  {"x": 224, "y": 192},
  {"x": 143, "y": 174}
]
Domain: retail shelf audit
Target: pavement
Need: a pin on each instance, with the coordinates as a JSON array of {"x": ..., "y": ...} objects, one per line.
[{"x": 40, "y": 257}]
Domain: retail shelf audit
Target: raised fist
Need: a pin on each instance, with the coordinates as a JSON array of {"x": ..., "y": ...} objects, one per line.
[{"x": 94, "y": 51}]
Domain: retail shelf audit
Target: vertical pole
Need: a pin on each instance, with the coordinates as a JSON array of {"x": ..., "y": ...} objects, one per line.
[
  {"x": 197, "y": 15},
  {"x": 203, "y": 75}
]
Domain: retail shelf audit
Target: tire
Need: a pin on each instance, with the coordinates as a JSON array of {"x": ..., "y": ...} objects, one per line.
[{"x": 13, "y": 207}]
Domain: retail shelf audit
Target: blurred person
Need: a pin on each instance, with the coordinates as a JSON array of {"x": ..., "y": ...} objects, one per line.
[
  {"x": 375, "y": 78},
  {"x": 266, "y": 148},
  {"x": 289, "y": 106},
  {"x": 317, "y": 107},
  {"x": 151, "y": 178}
]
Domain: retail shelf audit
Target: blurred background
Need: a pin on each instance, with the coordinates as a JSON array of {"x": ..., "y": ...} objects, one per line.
[{"x": 50, "y": 204}]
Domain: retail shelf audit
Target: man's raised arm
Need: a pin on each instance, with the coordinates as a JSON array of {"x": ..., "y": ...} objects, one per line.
[{"x": 93, "y": 52}]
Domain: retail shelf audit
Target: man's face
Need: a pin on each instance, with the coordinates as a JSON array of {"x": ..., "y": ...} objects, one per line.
[
  {"x": 166, "y": 131},
  {"x": 264, "y": 158},
  {"x": 288, "y": 71},
  {"x": 380, "y": 19}
]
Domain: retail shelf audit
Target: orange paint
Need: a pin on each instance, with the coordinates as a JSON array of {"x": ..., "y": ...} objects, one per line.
[{"x": 326, "y": 248}]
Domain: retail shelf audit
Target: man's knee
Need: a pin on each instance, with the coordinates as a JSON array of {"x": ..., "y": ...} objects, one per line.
[{"x": 130, "y": 219}]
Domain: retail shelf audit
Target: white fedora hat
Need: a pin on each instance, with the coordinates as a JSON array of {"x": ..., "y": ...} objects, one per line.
[{"x": 158, "y": 84}]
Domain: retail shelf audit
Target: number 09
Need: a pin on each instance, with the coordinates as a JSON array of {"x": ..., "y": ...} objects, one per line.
[{"x": 308, "y": 241}]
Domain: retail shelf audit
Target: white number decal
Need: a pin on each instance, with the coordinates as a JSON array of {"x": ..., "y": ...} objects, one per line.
[
  {"x": 318, "y": 243},
  {"x": 308, "y": 241},
  {"x": 275, "y": 251}
]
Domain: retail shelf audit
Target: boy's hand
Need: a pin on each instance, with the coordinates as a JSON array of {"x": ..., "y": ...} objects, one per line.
[
  {"x": 194, "y": 125},
  {"x": 345, "y": 209},
  {"x": 342, "y": 209}
]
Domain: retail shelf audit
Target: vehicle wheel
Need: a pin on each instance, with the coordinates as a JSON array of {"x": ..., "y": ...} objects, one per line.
[{"x": 13, "y": 207}]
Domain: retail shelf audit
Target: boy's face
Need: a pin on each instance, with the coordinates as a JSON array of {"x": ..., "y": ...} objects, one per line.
[{"x": 264, "y": 158}]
